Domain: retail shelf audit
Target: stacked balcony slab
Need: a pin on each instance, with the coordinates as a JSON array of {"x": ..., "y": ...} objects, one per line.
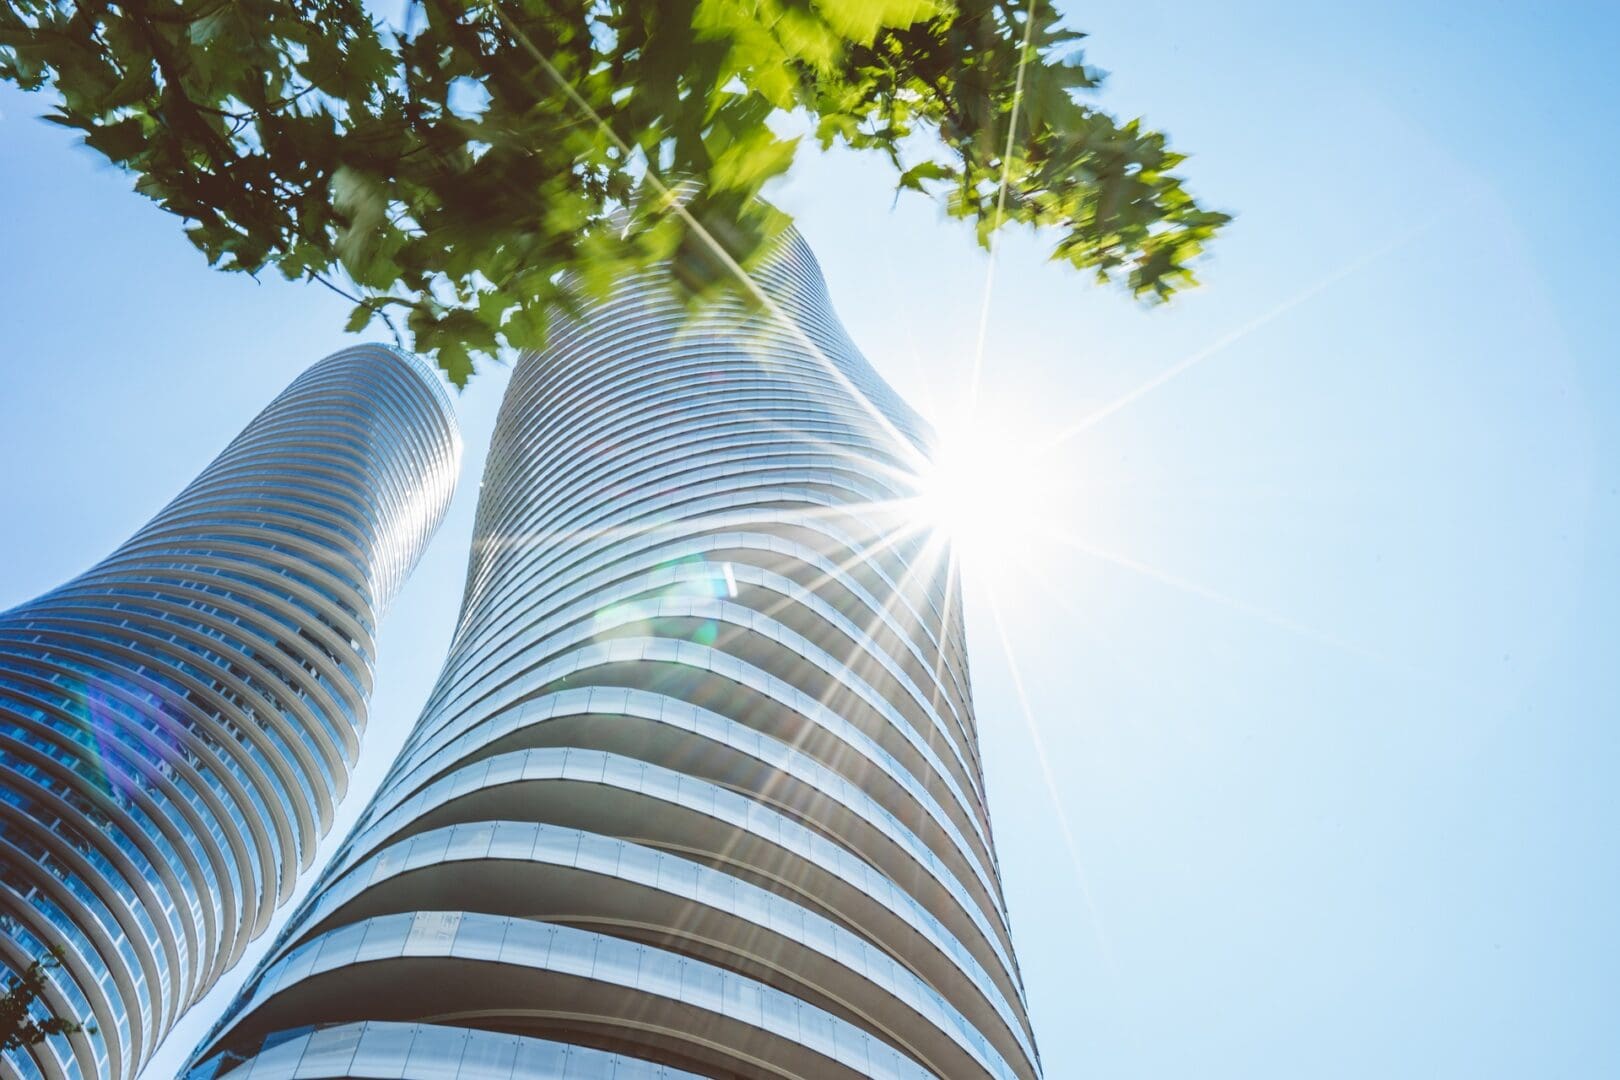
[
  {"x": 698, "y": 791},
  {"x": 178, "y": 722}
]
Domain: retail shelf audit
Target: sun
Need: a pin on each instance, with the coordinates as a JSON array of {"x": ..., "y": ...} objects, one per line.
[{"x": 981, "y": 491}]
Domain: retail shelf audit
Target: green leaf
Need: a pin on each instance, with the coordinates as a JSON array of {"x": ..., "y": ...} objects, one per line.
[{"x": 925, "y": 170}]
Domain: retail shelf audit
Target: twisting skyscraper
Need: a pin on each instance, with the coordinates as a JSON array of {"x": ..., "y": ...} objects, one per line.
[
  {"x": 698, "y": 790},
  {"x": 177, "y": 722}
]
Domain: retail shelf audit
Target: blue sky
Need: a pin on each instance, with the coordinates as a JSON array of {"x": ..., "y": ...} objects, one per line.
[{"x": 1327, "y": 690}]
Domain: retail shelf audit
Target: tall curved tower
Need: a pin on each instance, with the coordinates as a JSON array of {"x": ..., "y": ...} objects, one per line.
[
  {"x": 177, "y": 723},
  {"x": 698, "y": 790}
]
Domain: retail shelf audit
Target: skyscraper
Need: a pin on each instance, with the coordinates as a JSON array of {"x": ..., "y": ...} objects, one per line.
[
  {"x": 698, "y": 790},
  {"x": 177, "y": 722}
]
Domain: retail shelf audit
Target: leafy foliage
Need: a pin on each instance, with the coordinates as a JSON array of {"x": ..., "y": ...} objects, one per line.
[
  {"x": 17, "y": 1027},
  {"x": 481, "y": 162}
]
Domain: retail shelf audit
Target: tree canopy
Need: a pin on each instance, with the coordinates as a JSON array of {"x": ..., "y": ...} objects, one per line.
[{"x": 465, "y": 167}]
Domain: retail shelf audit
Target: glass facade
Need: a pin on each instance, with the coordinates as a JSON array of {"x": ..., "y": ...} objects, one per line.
[
  {"x": 177, "y": 723},
  {"x": 698, "y": 790}
]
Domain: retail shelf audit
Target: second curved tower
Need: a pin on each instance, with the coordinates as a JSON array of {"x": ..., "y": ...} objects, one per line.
[{"x": 177, "y": 722}]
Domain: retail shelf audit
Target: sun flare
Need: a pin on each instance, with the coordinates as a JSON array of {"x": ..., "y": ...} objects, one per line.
[{"x": 980, "y": 490}]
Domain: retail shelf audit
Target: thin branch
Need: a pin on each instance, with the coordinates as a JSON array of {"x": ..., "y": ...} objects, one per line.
[{"x": 374, "y": 307}]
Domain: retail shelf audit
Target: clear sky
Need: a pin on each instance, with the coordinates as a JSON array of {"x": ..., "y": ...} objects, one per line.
[{"x": 1326, "y": 674}]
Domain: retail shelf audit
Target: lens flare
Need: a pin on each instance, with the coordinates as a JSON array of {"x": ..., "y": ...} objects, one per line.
[{"x": 980, "y": 491}]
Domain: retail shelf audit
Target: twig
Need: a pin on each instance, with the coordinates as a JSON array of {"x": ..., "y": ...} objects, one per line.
[{"x": 399, "y": 340}]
